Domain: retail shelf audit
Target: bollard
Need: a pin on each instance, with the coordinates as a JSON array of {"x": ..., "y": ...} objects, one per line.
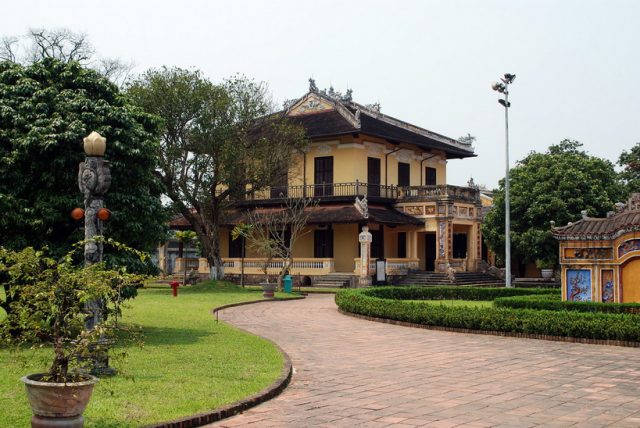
[{"x": 174, "y": 286}]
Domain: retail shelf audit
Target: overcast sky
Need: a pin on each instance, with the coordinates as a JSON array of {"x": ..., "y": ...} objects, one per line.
[{"x": 430, "y": 63}]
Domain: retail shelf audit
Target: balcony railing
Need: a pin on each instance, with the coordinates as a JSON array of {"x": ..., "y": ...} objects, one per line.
[
  {"x": 351, "y": 190},
  {"x": 440, "y": 191},
  {"x": 325, "y": 190}
]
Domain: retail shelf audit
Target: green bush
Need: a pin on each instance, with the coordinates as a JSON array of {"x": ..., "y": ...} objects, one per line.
[
  {"x": 553, "y": 303},
  {"x": 454, "y": 293},
  {"x": 625, "y": 327}
]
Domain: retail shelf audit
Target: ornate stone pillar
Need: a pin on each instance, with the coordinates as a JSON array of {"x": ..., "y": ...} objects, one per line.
[
  {"x": 365, "y": 239},
  {"x": 94, "y": 179}
]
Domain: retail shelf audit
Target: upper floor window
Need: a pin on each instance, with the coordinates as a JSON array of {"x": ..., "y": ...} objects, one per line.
[
  {"x": 404, "y": 174},
  {"x": 430, "y": 176},
  {"x": 373, "y": 176},
  {"x": 323, "y": 176},
  {"x": 279, "y": 188}
]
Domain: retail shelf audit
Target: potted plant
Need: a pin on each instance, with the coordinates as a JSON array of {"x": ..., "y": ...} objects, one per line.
[
  {"x": 263, "y": 242},
  {"x": 49, "y": 302},
  {"x": 546, "y": 267}
]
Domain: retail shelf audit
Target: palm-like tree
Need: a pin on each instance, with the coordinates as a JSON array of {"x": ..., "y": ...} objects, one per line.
[{"x": 185, "y": 237}]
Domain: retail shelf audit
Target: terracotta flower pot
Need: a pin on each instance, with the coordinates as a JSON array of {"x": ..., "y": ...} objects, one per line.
[
  {"x": 546, "y": 273},
  {"x": 268, "y": 289},
  {"x": 58, "y": 404}
]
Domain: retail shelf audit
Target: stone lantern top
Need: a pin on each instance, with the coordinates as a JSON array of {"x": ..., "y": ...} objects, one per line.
[{"x": 95, "y": 144}]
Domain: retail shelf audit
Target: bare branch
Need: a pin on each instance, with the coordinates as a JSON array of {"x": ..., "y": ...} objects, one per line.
[{"x": 8, "y": 49}]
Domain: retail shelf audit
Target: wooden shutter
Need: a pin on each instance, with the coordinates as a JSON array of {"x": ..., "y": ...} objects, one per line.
[{"x": 404, "y": 174}]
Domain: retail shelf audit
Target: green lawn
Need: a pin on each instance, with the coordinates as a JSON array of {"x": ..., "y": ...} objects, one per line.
[
  {"x": 188, "y": 363},
  {"x": 458, "y": 303}
]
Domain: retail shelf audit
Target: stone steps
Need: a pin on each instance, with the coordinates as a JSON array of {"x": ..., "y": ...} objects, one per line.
[
  {"x": 333, "y": 281},
  {"x": 462, "y": 278}
]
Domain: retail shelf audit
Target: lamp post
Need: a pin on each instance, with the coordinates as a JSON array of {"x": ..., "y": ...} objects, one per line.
[
  {"x": 94, "y": 179},
  {"x": 503, "y": 87}
]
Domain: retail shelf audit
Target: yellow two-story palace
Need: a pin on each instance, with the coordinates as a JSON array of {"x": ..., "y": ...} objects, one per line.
[{"x": 418, "y": 222}]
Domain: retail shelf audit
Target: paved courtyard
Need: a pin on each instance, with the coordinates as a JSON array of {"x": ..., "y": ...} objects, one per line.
[{"x": 356, "y": 373}]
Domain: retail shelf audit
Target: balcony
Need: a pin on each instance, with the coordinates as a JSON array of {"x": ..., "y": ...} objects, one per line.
[
  {"x": 439, "y": 192},
  {"x": 374, "y": 192}
]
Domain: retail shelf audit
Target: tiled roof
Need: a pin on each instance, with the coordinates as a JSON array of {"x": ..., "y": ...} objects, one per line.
[
  {"x": 600, "y": 228},
  {"x": 325, "y": 214},
  {"x": 340, "y": 117},
  {"x": 325, "y": 124}
]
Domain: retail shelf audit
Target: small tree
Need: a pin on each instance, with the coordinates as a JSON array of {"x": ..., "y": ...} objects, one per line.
[
  {"x": 273, "y": 235},
  {"x": 185, "y": 237},
  {"x": 48, "y": 306}
]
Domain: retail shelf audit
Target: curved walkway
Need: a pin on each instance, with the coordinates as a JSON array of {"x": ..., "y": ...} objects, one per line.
[{"x": 356, "y": 373}]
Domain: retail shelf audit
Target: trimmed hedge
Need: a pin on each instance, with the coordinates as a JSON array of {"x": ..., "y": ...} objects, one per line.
[
  {"x": 553, "y": 303},
  {"x": 455, "y": 293},
  {"x": 623, "y": 327}
]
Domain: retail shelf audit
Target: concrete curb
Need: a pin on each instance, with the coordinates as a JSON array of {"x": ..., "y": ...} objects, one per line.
[
  {"x": 239, "y": 406},
  {"x": 497, "y": 333}
]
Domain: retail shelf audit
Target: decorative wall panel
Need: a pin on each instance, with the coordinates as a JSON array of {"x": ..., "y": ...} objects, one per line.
[{"x": 579, "y": 285}]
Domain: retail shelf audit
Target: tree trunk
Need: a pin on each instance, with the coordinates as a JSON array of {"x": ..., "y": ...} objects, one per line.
[{"x": 215, "y": 260}]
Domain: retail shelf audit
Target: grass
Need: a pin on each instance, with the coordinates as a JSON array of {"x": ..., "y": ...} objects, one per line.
[
  {"x": 188, "y": 363},
  {"x": 457, "y": 303}
]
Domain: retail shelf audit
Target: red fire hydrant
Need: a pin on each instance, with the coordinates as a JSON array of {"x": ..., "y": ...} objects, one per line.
[{"x": 174, "y": 286}]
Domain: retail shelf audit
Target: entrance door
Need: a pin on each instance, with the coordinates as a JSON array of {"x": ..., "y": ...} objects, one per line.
[
  {"x": 323, "y": 176},
  {"x": 430, "y": 251},
  {"x": 323, "y": 243},
  {"x": 459, "y": 245},
  {"x": 631, "y": 281},
  {"x": 373, "y": 176}
]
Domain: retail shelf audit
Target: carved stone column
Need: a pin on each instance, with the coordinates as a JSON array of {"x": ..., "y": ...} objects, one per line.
[
  {"x": 365, "y": 238},
  {"x": 94, "y": 179}
]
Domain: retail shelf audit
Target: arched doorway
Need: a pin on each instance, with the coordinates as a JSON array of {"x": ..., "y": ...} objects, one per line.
[{"x": 630, "y": 280}]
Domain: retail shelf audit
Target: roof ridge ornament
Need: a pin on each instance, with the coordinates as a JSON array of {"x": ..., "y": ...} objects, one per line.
[{"x": 362, "y": 206}]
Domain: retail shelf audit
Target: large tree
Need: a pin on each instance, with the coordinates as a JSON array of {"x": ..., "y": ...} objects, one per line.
[
  {"x": 552, "y": 186},
  {"x": 64, "y": 45},
  {"x": 46, "y": 109},
  {"x": 220, "y": 142},
  {"x": 630, "y": 163}
]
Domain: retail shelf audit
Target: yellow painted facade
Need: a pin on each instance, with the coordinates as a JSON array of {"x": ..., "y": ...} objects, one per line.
[
  {"x": 450, "y": 216},
  {"x": 350, "y": 161}
]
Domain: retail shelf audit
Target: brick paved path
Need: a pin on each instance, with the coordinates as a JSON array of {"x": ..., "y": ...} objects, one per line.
[{"x": 356, "y": 373}]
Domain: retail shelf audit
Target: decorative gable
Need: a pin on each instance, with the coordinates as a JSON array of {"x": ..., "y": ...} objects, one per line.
[{"x": 311, "y": 103}]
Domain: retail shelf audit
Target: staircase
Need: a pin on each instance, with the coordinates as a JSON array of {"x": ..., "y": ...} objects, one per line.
[
  {"x": 334, "y": 280},
  {"x": 425, "y": 278}
]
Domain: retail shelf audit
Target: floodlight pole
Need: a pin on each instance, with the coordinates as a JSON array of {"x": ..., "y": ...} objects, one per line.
[
  {"x": 503, "y": 87},
  {"x": 507, "y": 205}
]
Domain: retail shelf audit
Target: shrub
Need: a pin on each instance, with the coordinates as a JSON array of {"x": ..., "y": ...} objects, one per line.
[
  {"x": 553, "y": 303},
  {"x": 624, "y": 327},
  {"x": 454, "y": 293}
]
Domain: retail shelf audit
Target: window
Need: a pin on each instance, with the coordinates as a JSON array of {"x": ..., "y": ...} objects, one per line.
[
  {"x": 404, "y": 174},
  {"x": 323, "y": 176},
  {"x": 279, "y": 188},
  {"x": 373, "y": 176},
  {"x": 430, "y": 176}
]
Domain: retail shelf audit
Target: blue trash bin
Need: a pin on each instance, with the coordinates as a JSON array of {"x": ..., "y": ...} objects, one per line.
[{"x": 288, "y": 283}]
